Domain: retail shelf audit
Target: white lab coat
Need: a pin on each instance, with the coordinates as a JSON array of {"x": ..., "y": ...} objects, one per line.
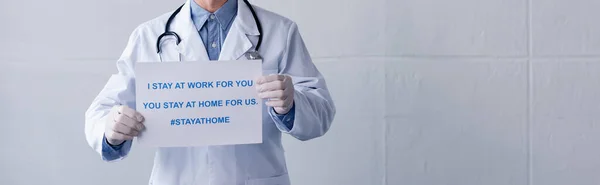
[{"x": 283, "y": 52}]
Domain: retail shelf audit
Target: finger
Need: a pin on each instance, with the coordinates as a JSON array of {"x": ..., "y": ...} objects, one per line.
[
  {"x": 272, "y": 94},
  {"x": 287, "y": 78},
  {"x": 271, "y": 86},
  {"x": 119, "y": 136},
  {"x": 269, "y": 78},
  {"x": 129, "y": 122},
  {"x": 288, "y": 91},
  {"x": 276, "y": 103},
  {"x": 131, "y": 113},
  {"x": 124, "y": 129}
]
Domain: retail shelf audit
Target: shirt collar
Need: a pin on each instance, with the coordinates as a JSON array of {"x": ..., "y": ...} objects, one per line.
[{"x": 224, "y": 15}]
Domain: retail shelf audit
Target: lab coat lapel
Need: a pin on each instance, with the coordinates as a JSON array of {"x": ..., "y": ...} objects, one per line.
[
  {"x": 237, "y": 42},
  {"x": 235, "y": 45},
  {"x": 191, "y": 46}
]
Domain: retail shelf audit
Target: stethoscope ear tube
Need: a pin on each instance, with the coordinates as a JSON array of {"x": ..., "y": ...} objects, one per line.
[
  {"x": 258, "y": 25},
  {"x": 163, "y": 35},
  {"x": 167, "y": 32}
]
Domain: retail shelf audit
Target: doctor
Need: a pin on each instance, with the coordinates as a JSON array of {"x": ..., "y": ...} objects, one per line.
[{"x": 297, "y": 101}]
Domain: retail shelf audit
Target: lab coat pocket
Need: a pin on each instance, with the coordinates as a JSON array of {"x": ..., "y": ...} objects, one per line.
[{"x": 278, "y": 180}]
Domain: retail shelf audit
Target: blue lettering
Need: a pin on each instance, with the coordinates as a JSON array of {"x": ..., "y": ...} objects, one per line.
[
  {"x": 151, "y": 105},
  {"x": 224, "y": 84},
  {"x": 200, "y": 121},
  {"x": 179, "y": 85},
  {"x": 199, "y": 85},
  {"x": 160, "y": 85},
  {"x": 250, "y": 101},
  {"x": 190, "y": 104},
  {"x": 172, "y": 105},
  {"x": 244, "y": 83},
  {"x": 233, "y": 102},
  {"x": 211, "y": 103}
]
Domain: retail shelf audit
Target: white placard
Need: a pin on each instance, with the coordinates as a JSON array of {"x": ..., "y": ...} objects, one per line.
[{"x": 199, "y": 103}]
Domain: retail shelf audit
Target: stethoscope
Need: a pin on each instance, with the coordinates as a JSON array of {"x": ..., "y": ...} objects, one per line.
[{"x": 251, "y": 55}]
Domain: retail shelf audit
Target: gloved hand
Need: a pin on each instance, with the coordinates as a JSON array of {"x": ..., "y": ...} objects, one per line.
[
  {"x": 279, "y": 90},
  {"x": 123, "y": 124}
]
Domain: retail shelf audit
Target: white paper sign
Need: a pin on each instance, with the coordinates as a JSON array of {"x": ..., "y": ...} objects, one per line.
[{"x": 199, "y": 103}]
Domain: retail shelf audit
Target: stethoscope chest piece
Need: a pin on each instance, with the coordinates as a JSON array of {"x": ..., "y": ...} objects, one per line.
[{"x": 253, "y": 55}]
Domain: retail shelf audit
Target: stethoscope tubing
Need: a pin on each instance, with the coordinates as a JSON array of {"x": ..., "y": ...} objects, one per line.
[{"x": 172, "y": 33}]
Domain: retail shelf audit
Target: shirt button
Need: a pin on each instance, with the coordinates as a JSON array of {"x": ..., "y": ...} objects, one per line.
[
  {"x": 212, "y": 16},
  {"x": 214, "y": 45}
]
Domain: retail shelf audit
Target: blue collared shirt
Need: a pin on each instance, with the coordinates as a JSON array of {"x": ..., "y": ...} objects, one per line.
[{"x": 213, "y": 29}]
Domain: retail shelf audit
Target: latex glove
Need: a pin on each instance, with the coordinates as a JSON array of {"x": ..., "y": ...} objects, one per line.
[
  {"x": 279, "y": 90},
  {"x": 123, "y": 124}
]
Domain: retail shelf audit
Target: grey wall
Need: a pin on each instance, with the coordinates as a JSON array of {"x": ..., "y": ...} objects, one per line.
[{"x": 463, "y": 92}]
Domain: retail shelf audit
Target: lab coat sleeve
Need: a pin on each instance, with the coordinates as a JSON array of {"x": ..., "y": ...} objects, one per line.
[
  {"x": 111, "y": 153},
  {"x": 119, "y": 90},
  {"x": 314, "y": 108},
  {"x": 286, "y": 119}
]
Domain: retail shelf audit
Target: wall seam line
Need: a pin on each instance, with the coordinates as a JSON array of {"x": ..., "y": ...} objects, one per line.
[
  {"x": 529, "y": 92},
  {"x": 530, "y": 122},
  {"x": 386, "y": 57}
]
